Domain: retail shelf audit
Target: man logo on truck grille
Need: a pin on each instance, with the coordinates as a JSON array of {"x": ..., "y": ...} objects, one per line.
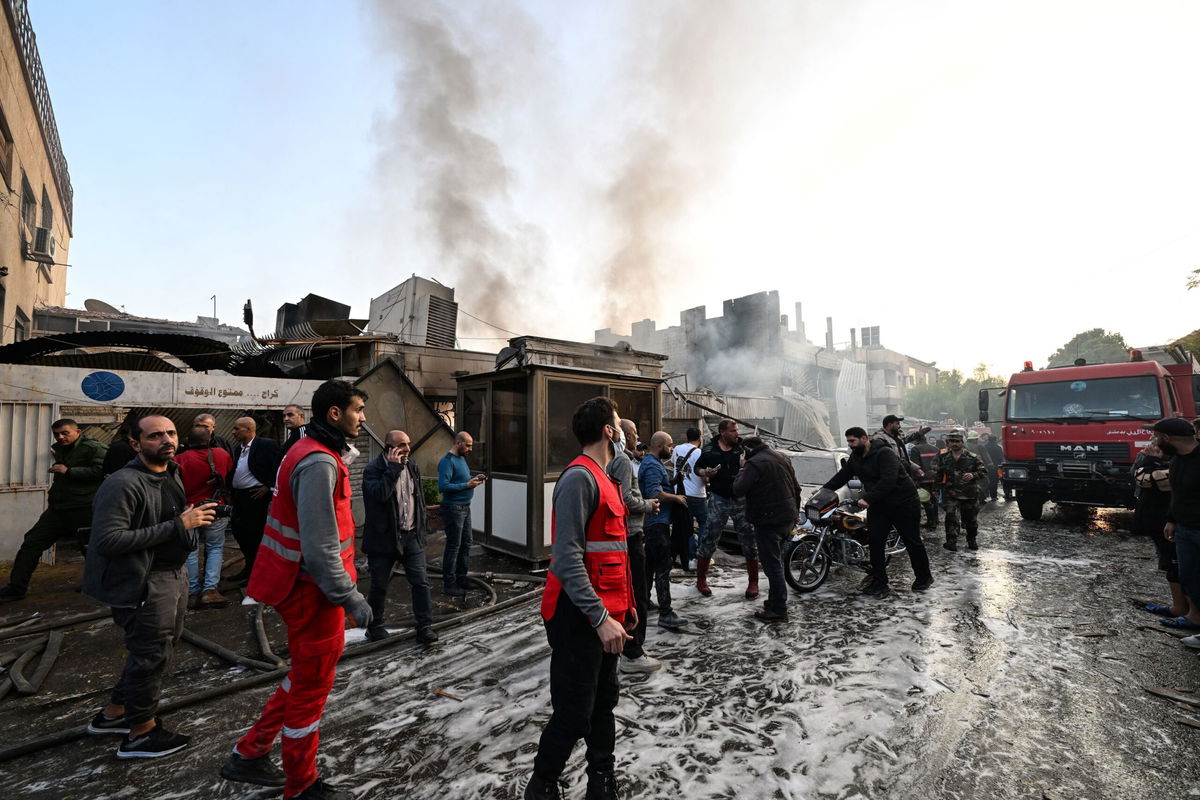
[{"x": 1079, "y": 450}]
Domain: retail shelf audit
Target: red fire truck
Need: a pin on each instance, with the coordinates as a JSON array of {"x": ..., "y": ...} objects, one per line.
[{"x": 1070, "y": 434}]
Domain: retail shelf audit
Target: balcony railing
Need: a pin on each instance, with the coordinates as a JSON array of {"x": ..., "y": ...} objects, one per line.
[{"x": 35, "y": 78}]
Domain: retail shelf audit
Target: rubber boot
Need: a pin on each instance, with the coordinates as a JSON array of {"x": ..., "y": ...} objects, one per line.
[
  {"x": 972, "y": 542},
  {"x": 702, "y": 576},
  {"x": 752, "y": 580}
]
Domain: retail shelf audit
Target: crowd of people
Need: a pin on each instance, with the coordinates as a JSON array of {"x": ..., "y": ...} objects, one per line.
[{"x": 625, "y": 512}]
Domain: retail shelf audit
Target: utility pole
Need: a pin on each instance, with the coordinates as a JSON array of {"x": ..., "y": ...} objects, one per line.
[{"x": 214, "y": 299}]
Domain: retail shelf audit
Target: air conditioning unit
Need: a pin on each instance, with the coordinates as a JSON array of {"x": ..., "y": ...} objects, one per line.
[{"x": 43, "y": 243}]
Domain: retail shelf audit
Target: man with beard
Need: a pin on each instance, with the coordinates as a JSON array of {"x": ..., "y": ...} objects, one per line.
[
  {"x": 293, "y": 420},
  {"x": 1152, "y": 476},
  {"x": 890, "y": 498},
  {"x": 142, "y": 532},
  {"x": 891, "y": 435},
  {"x": 305, "y": 569},
  {"x": 654, "y": 483},
  {"x": 720, "y": 463},
  {"x": 768, "y": 482},
  {"x": 1177, "y": 440},
  {"x": 962, "y": 476}
]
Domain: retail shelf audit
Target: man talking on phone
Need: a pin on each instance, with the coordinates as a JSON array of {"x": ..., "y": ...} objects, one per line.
[
  {"x": 587, "y": 607},
  {"x": 458, "y": 489}
]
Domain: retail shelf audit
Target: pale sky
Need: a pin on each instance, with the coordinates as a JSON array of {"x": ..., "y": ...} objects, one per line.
[{"x": 981, "y": 180}]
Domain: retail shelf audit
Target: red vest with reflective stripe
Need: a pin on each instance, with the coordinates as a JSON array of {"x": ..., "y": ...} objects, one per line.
[
  {"x": 606, "y": 554},
  {"x": 277, "y": 565}
]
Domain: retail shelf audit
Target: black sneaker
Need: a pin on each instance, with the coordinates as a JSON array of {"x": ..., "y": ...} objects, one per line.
[
  {"x": 155, "y": 743},
  {"x": 320, "y": 790},
  {"x": 920, "y": 586},
  {"x": 671, "y": 621},
  {"x": 601, "y": 786},
  {"x": 951, "y": 546},
  {"x": 260, "y": 771},
  {"x": 377, "y": 632},
  {"x": 538, "y": 789},
  {"x": 10, "y": 592},
  {"x": 876, "y": 590},
  {"x": 102, "y": 724},
  {"x": 426, "y": 635},
  {"x": 972, "y": 544},
  {"x": 454, "y": 591}
]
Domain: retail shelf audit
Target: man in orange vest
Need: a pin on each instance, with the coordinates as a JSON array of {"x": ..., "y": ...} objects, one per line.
[
  {"x": 305, "y": 569},
  {"x": 587, "y": 607}
]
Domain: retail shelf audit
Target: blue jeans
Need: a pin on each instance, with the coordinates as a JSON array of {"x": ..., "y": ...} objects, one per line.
[
  {"x": 721, "y": 509},
  {"x": 457, "y": 555},
  {"x": 213, "y": 537},
  {"x": 1187, "y": 552},
  {"x": 699, "y": 508}
]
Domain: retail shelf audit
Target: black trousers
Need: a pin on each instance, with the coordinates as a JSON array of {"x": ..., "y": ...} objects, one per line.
[
  {"x": 641, "y": 593},
  {"x": 381, "y": 566},
  {"x": 770, "y": 553},
  {"x": 152, "y": 630},
  {"x": 583, "y": 693},
  {"x": 658, "y": 563},
  {"x": 52, "y": 525},
  {"x": 682, "y": 526},
  {"x": 249, "y": 519},
  {"x": 907, "y": 520}
]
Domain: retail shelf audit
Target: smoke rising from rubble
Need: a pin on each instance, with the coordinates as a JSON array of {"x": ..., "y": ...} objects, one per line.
[{"x": 446, "y": 92}]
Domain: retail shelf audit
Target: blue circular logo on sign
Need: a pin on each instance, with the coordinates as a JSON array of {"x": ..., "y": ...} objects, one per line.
[{"x": 103, "y": 386}]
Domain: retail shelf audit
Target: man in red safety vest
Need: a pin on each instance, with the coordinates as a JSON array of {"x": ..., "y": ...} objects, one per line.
[
  {"x": 587, "y": 607},
  {"x": 305, "y": 569}
]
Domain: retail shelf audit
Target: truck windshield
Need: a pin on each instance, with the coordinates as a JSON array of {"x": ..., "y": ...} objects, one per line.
[{"x": 1133, "y": 397}]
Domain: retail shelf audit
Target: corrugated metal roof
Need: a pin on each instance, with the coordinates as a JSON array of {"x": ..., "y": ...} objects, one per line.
[
  {"x": 112, "y": 359},
  {"x": 197, "y": 352}
]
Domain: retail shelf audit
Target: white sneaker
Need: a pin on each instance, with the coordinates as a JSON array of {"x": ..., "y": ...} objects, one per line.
[
  {"x": 692, "y": 565},
  {"x": 642, "y": 663},
  {"x": 1191, "y": 641}
]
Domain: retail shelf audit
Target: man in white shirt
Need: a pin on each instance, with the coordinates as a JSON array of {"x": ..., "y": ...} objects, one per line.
[
  {"x": 684, "y": 458},
  {"x": 255, "y": 462}
]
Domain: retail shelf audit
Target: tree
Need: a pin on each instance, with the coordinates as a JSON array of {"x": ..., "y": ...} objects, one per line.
[
  {"x": 952, "y": 395},
  {"x": 1191, "y": 342},
  {"x": 1096, "y": 346}
]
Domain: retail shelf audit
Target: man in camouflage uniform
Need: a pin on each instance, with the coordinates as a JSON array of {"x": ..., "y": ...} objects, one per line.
[
  {"x": 975, "y": 447},
  {"x": 960, "y": 473}
]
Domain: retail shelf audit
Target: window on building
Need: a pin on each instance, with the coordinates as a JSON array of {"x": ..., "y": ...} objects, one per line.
[
  {"x": 53, "y": 323},
  {"x": 47, "y": 210},
  {"x": 510, "y": 415},
  {"x": 870, "y": 336},
  {"x": 470, "y": 419},
  {"x": 28, "y": 203},
  {"x": 563, "y": 397},
  {"x": 20, "y": 325},
  {"x": 636, "y": 405},
  {"x": 6, "y": 150}
]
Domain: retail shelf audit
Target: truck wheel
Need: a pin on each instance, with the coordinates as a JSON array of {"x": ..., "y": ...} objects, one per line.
[{"x": 1030, "y": 505}]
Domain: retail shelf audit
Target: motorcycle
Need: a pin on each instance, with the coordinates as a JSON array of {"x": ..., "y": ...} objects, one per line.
[{"x": 833, "y": 533}]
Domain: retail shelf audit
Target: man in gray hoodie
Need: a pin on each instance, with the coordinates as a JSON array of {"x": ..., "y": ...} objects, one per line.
[{"x": 142, "y": 532}]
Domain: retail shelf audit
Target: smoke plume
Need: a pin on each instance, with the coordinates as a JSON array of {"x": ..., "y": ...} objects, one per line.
[{"x": 444, "y": 101}]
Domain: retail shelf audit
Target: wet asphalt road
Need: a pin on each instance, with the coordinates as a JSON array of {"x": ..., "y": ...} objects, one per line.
[{"x": 979, "y": 689}]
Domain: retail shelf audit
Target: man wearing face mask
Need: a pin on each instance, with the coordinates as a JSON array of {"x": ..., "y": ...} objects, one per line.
[
  {"x": 890, "y": 498},
  {"x": 305, "y": 569},
  {"x": 1177, "y": 440},
  {"x": 962, "y": 477},
  {"x": 620, "y": 469}
]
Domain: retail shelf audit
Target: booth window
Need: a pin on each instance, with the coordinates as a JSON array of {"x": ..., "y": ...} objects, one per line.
[
  {"x": 510, "y": 452},
  {"x": 636, "y": 405},
  {"x": 563, "y": 397},
  {"x": 471, "y": 420}
]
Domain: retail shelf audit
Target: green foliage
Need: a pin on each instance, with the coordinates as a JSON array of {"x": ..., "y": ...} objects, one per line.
[
  {"x": 1096, "y": 346},
  {"x": 430, "y": 491},
  {"x": 953, "y": 395},
  {"x": 1191, "y": 342}
]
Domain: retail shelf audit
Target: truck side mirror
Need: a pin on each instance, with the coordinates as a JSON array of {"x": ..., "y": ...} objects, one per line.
[{"x": 984, "y": 400}]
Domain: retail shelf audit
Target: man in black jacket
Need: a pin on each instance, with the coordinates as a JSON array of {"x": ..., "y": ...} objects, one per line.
[
  {"x": 768, "y": 482},
  {"x": 255, "y": 462},
  {"x": 293, "y": 420},
  {"x": 142, "y": 532},
  {"x": 395, "y": 531},
  {"x": 890, "y": 498}
]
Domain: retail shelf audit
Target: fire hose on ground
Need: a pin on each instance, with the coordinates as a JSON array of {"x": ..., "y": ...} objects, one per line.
[{"x": 272, "y": 674}]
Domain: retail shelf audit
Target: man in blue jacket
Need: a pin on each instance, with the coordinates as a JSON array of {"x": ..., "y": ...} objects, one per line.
[
  {"x": 395, "y": 531},
  {"x": 458, "y": 488}
]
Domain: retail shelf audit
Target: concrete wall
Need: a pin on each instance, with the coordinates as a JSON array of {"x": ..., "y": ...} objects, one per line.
[{"x": 27, "y": 282}]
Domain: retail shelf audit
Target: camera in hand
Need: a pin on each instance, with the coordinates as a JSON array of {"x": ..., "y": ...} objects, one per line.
[{"x": 222, "y": 509}]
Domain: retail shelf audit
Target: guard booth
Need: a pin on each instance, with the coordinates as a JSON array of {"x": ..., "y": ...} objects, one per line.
[{"x": 520, "y": 419}]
